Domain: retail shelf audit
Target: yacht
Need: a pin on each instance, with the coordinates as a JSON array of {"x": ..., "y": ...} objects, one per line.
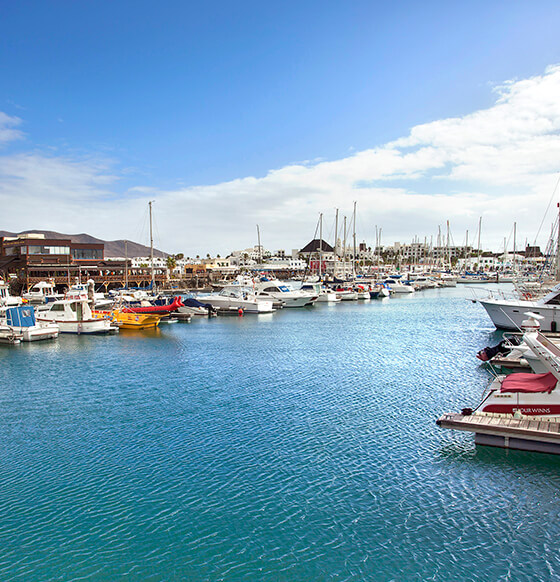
[
  {"x": 525, "y": 393},
  {"x": 73, "y": 315},
  {"x": 509, "y": 313},
  {"x": 278, "y": 291},
  {"x": 7, "y": 300},
  {"x": 230, "y": 299},
  {"x": 397, "y": 286},
  {"x": 42, "y": 292},
  {"x": 324, "y": 294}
]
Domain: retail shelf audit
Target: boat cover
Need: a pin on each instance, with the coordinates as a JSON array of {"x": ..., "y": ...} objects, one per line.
[
  {"x": 523, "y": 382},
  {"x": 23, "y": 316},
  {"x": 192, "y": 302}
]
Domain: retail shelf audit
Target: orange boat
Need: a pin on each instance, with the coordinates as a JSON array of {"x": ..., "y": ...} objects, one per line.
[{"x": 127, "y": 320}]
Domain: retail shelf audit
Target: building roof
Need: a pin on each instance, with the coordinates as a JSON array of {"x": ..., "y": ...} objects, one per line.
[{"x": 317, "y": 245}]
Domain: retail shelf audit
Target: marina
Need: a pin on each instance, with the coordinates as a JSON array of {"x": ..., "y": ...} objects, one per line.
[{"x": 295, "y": 445}]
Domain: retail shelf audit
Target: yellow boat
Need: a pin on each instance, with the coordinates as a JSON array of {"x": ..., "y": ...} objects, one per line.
[{"x": 127, "y": 320}]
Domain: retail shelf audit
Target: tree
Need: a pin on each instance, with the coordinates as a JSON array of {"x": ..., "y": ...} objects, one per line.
[{"x": 171, "y": 262}]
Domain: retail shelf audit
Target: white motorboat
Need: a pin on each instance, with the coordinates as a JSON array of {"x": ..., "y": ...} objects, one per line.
[
  {"x": 423, "y": 282},
  {"x": 346, "y": 293},
  {"x": 22, "y": 320},
  {"x": 362, "y": 292},
  {"x": 528, "y": 394},
  {"x": 324, "y": 294},
  {"x": 73, "y": 316},
  {"x": 230, "y": 299},
  {"x": 7, "y": 300},
  {"x": 509, "y": 313},
  {"x": 42, "y": 292},
  {"x": 278, "y": 291},
  {"x": 397, "y": 286}
]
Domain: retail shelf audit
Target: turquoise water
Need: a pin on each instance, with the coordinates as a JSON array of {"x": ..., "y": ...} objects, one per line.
[{"x": 294, "y": 446}]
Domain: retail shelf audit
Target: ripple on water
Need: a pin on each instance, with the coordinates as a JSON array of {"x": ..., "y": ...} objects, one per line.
[{"x": 300, "y": 446}]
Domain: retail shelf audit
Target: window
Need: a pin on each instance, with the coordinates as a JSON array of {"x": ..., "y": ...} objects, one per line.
[{"x": 87, "y": 254}]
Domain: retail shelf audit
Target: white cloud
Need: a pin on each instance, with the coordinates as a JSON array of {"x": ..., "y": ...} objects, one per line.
[
  {"x": 499, "y": 163},
  {"x": 8, "y": 132}
]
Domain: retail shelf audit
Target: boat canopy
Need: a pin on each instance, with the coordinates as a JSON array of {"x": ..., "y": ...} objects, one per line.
[
  {"x": 23, "y": 316},
  {"x": 529, "y": 383}
]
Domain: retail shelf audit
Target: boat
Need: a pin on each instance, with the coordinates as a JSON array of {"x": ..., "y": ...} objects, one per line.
[
  {"x": 527, "y": 394},
  {"x": 362, "y": 292},
  {"x": 422, "y": 282},
  {"x": 9, "y": 335},
  {"x": 192, "y": 306},
  {"x": 230, "y": 299},
  {"x": 324, "y": 294},
  {"x": 125, "y": 319},
  {"x": 276, "y": 290},
  {"x": 73, "y": 315},
  {"x": 42, "y": 292},
  {"x": 22, "y": 320},
  {"x": 396, "y": 286},
  {"x": 379, "y": 291},
  {"x": 346, "y": 294},
  {"x": 7, "y": 300},
  {"x": 509, "y": 314},
  {"x": 146, "y": 306}
]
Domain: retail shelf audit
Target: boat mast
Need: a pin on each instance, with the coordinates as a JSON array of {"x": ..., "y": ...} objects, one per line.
[
  {"x": 335, "y": 235},
  {"x": 259, "y": 244},
  {"x": 479, "y": 251},
  {"x": 320, "y": 245},
  {"x": 514, "y": 245},
  {"x": 125, "y": 264},
  {"x": 354, "y": 242},
  {"x": 151, "y": 250},
  {"x": 466, "y": 247},
  {"x": 344, "y": 249},
  {"x": 557, "y": 243},
  {"x": 448, "y": 248}
]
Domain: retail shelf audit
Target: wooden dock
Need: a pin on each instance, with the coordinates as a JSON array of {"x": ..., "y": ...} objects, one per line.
[{"x": 525, "y": 434}]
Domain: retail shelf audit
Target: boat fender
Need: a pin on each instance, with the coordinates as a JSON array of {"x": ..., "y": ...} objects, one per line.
[{"x": 240, "y": 311}]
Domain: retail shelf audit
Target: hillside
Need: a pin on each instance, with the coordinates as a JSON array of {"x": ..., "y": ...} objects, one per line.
[{"x": 113, "y": 248}]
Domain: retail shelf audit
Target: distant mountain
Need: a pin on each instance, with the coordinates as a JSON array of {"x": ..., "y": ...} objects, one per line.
[{"x": 113, "y": 248}]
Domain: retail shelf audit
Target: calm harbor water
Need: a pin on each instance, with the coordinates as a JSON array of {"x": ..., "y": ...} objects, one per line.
[{"x": 295, "y": 446}]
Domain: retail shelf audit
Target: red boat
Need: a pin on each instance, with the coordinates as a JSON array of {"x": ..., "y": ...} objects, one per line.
[{"x": 161, "y": 309}]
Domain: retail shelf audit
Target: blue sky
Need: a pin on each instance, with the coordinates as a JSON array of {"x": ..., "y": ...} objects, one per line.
[{"x": 232, "y": 114}]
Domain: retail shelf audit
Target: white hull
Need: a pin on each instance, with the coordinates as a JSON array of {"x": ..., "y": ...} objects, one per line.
[
  {"x": 38, "y": 332},
  {"x": 233, "y": 303},
  {"x": 82, "y": 326},
  {"x": 9, "y": 336},
  {"x": 511, "y": 314},
  {"x": 529, "y": 404},
  {"x": 328, "y": 298}
]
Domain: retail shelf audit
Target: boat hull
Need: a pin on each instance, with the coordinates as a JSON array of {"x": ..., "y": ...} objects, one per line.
[{"x": 510, "y": 315}]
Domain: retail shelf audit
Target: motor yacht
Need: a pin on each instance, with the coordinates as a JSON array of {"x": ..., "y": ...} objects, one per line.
[
  {"x": 324, "y": 294},
  {"x": 42, "y": 292},
  {"x": 278, "y": 291},
  {"x": 73, "y": 315},
  {"x": 509, "y": 313},
  {"x": 230, "y": 299},
  {"x": 7, "y": 300},
  {"x": 525, "y": 393},
  {"x": 397, "y": 286}
]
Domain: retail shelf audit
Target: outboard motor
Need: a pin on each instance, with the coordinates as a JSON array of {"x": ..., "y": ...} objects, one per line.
[{"x": 504, "y": 348}]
